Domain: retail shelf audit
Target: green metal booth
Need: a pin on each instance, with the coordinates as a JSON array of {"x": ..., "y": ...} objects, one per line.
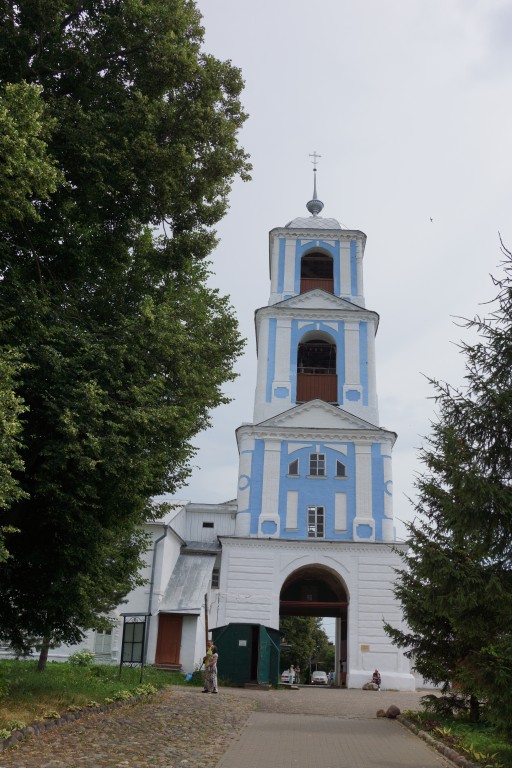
[{"x": 248, "y": 653}]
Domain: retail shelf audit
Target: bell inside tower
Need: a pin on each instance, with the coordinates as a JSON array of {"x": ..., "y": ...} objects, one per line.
[
  {"x": 316, "y": 271},
  {"x": 316, "y": 371}
]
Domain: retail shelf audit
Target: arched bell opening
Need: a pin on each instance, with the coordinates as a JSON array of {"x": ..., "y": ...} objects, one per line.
[
  {"x": 315, "y": 590},
  {"x": 316, "y": 271},
  {"x": 316, "y": 369}
]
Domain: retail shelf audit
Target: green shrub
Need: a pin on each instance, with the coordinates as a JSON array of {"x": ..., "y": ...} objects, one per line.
[
  {"x": 16, "y": 725},
  {"x": 83, "y": 658},
  {"x": 122, "y": 696}
]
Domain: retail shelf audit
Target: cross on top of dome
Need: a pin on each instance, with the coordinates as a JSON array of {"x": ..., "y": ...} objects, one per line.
[{"x": 315, "y": 205}]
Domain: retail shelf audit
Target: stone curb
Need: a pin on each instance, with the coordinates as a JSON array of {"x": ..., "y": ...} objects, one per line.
[
  {"x": 449, "y": 753},
  {"x": 42, "y": 725}
]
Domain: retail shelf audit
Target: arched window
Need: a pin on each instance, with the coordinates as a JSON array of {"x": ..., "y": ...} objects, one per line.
[
  {"x": 316, "y": 370},
  {"x": 316, "y": 271}
]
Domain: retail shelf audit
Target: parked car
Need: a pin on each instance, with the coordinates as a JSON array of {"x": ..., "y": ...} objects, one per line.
[
  {"x": 285, "y": 676},
  {"x": 319, "y": 678}
]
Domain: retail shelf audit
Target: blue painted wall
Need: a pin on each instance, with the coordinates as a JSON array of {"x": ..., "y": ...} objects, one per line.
[{"x": 317, "y": 491}]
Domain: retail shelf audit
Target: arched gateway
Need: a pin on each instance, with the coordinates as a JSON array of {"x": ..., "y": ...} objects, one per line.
[{"x": 315, "y": 590}]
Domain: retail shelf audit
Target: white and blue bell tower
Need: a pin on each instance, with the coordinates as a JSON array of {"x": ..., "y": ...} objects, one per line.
[
  {"x": 314, "y": 532},
  {"x": 316, "y": 464}
]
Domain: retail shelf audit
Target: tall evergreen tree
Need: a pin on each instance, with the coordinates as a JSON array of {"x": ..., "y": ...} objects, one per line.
[
  {"x": 456, "y": 588},
  {"x": 122, "y": 347}
]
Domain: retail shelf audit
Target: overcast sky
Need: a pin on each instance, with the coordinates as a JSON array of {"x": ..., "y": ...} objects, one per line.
[{"x": 409, "y": 103}]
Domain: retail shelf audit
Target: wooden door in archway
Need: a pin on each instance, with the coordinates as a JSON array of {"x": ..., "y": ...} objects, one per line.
[{"x": 169, "y": 638}]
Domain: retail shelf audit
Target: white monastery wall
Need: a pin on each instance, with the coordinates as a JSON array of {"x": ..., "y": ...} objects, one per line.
[{"x": 254, "y": 571}]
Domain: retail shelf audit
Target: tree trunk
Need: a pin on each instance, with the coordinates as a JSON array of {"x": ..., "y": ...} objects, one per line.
[
  {"x": 43, "y": 656},
  {"x": 474, "y": 709}
]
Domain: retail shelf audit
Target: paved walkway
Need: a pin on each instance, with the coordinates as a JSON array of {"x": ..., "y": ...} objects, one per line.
[
  {"x": 318, "y": 728},
  {"x": 182, "y": 728}
]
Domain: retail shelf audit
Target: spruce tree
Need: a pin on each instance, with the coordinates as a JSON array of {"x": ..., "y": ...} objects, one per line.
[{"x": 456, "y": 587}]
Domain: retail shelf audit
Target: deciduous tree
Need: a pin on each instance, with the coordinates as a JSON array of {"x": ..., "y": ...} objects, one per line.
[
  {"x": 307, "y": 641},
  {"x": 27, "y": 176},
  {"x": 103, "y": 295}
]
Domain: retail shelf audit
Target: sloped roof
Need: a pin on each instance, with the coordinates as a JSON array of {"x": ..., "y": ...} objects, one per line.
[{"x": 188, "y": 584}]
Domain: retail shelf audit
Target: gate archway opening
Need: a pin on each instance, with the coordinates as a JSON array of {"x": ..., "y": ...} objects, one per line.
[{"x": 315, "y": 590}]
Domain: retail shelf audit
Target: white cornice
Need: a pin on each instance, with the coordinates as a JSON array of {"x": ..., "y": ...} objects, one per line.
[
  {"x": 311, "y": 434},
  {"x": 318, "y": 234},
  {"x": 284, "y": 310},
  {"x": 322, "y": 547},
  {"x": 340, "y": 418}
]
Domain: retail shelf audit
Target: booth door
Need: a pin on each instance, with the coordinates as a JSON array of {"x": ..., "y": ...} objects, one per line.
[{"x": 169, "y": 638}]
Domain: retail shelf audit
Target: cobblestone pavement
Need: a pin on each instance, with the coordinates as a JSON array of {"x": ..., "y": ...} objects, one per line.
[
  {"x": 181, "y": 728},
  {"x": 176, "y": 728}
]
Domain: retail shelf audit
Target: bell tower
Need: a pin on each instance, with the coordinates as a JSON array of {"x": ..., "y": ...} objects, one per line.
[
  {"x": 315, "y": 464},
  {"x": 314, "y": 532}
]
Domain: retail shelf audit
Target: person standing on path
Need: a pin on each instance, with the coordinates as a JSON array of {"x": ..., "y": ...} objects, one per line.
[{"x": 210, "y": 668}]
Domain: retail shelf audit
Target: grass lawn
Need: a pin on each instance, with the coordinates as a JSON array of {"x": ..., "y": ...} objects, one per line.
[
  {"x": 27, "y": 695},
  {"x": 479, "y": 743}
]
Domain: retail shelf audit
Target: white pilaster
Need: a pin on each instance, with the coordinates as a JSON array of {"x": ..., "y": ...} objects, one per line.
[
  {"x": 289, "y": 268},
  {"x": 270, "y": 494},
  {"x": 352, "y": 365},
  {"x": 282, "y": 363},
  {"x": 388, "y": 528},
  {"x": 372, "y": 375},
  {"x": 345, "y": 268},
  {"x": 274, "y": 270},
  {"x": 359, "y": 264},
  {"x": 243, "y": 518},
  {"x": 261, "y": 379}
]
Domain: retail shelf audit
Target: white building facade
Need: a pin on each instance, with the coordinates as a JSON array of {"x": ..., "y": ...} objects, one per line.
[{"x": 311, "y": 531}]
